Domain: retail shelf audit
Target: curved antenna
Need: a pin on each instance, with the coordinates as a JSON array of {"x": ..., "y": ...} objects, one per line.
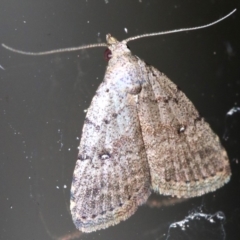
[
  {"x": 55, "y": 51},
  {"x": 106, "y": 45},
  {"x": 179, "y": 30}
]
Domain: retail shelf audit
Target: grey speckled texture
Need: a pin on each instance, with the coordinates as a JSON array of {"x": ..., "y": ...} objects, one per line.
[{"x": 141, "y": 132}]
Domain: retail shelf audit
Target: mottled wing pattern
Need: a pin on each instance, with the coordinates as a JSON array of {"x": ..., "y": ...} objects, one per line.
[
  {"x": 111, "y": 176},
  {"x": 185, "y": 157},
  {"x": 140, "y": 132}
]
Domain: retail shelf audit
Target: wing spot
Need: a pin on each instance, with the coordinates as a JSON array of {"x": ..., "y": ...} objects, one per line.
[
  {"x": 88, "y": 121},
  {"x": 106, "y": 121},
  {"x": 114, "y": 115},
  {"x": 175, "y": 100},
  {"x": 83, "y": 157},
  {"x": 105, "y": 156},
  {"x": 167, "y": 179},
  {"x": 153, "y": 74},
  {"x": 94, "y": 216},
  {"x": 74, "y": 179},
  {"x": 197, "y": 119},
  {"x": 136, "y": 90},
  {"x": 181, "y": 129},
  {"x": 178, "y": 88}
]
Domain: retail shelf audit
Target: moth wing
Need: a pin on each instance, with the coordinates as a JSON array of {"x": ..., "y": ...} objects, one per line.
[
  {"x": 111, "y": 177},
  {"x": 185, "y": 157}
]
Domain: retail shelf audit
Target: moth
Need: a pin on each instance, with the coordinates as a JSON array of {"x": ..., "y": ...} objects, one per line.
[{"x": 141, "y": 134}]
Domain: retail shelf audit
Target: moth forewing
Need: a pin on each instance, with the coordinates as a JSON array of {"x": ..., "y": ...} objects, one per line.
[
  {"x": 185, "y": 157},
  {"x": 111, "y": 177}
]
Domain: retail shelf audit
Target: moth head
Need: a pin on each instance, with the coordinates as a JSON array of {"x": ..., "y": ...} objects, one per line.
[
  {"x": 110, "y": 39},
  {"x": 115, "y": 48}
]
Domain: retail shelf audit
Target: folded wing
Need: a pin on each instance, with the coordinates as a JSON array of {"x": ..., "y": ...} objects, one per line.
[
  {"x": 111, "y": 178},
  {"x": 185, "y": 157}
]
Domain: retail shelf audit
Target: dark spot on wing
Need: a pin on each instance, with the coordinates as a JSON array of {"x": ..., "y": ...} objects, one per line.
[
  {"x": 89, "y": 122},
  {"x": 83, "y": 157},
  {"x": 106, "y": 121},
  {"x": 181, "y": 129},
  {"x": 104, "y": 155},
  {"x": 114, "y": 115}
]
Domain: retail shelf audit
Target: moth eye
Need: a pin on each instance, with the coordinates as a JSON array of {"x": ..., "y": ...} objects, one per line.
[{"x": 107, "y": 54}]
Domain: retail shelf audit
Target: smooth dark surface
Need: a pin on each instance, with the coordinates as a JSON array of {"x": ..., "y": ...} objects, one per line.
[{"x": 42, "y": 103}]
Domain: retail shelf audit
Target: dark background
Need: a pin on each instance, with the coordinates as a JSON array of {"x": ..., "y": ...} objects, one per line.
[{"x": 42, "y": 103}]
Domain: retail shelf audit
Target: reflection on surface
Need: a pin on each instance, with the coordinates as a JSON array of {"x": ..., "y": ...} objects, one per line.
[
  {"x": 198, "y": 226},
  {"x": 161, "y": 201},
  {"x": 232, "y": 124}
]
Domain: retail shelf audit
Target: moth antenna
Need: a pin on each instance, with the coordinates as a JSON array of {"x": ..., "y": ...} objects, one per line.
[
  {"x": 106, "y": 45},
  {"x": 179, "y": 30},
  {"x": 56, "y": 50}
]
